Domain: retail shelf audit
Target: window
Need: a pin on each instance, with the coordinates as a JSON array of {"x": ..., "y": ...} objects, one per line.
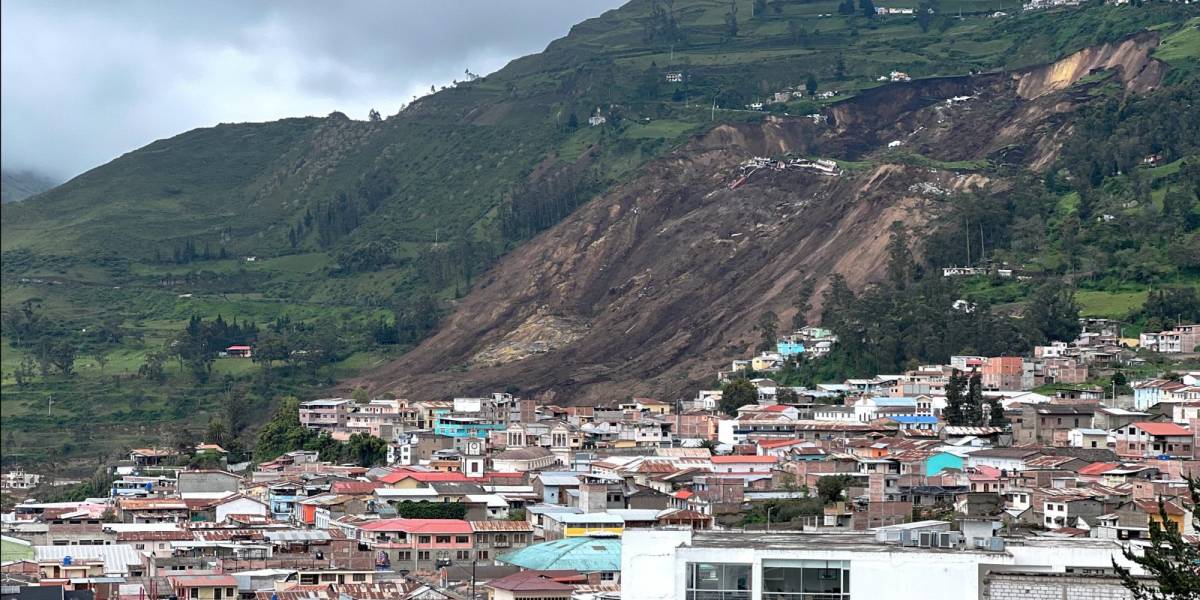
[
  {"x": 463, "y": 555},
  {"x": 359, "y": 577},
  {"x": 607, "y": 576},
  {"x": 462, "y": 539},
  {"x": 217, "y": 593},
  {"x": 443, "y": 539},
  {"x": 404, "y": 555},
  {"x": 423, "y": 539},
  {"x": 194, "y": 592},
  {"x": 423, "y": 555},
  {"x": 806, "y": 579},
  {"x": 718, "y": 581},
  {"x": 482, "y": 555}
]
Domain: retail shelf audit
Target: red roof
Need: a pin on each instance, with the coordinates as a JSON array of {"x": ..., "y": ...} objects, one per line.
[
  {"x": 778, "y": 443},
  {"x": 777, "y": 408},
  {"x": 684, "y": 494},
  {"x": 419, "y": 525},
  {"x": 1162, "y": 428},
  {"x": 530, "y": 581},
  {"x": 424, "y": 477},
  {"x": 238, "y": 348},
  {"x": 738, "y": 459},
  {"x": 354, "y": 487},
  {"x": 1098, "y": 468}
]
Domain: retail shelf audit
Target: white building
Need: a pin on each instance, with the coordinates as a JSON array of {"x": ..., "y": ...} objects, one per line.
[{"x": 696, "y": 565}]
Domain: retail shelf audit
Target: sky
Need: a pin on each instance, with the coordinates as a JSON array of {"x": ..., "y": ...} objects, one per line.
[{"x": 83, "y": 82}]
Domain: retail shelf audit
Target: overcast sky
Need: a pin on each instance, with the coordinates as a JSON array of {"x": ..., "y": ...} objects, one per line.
[{"x": 85, "y": 81}]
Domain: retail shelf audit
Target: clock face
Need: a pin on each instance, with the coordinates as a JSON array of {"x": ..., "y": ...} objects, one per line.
[{"x": 473, "y": 447}]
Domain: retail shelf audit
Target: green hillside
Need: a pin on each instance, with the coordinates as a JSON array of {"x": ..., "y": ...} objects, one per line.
[{"x": 343, "y": 241}]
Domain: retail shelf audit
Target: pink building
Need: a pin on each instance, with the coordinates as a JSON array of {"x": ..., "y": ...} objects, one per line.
[
  {"x": 329, "y": 413},
  {"x": 421, "y": 545}
]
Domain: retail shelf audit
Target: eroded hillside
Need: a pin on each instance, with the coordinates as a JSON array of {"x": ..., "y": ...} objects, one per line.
[{"x": 648, "y": 289}]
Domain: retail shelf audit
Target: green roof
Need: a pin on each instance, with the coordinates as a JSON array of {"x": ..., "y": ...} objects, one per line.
[
  {"x": 15, "y": 551},
  {"x": 583, "y": 554}
]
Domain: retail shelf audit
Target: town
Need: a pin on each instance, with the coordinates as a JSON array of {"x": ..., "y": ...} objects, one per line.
[{"x": 990, "y": 477}]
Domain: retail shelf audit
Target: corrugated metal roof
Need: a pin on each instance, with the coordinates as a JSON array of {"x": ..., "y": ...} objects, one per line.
[
  {"x": 116, "y": 557},
  {"x": 583, "y": 554}
]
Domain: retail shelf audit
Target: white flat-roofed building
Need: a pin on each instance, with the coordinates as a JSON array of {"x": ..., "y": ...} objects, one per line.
[{"x": 697, "y": 565}]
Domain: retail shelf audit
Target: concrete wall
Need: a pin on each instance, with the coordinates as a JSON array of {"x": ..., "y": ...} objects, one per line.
[
  {"x": 1045, "y": 586},
  {"x": 206, "y": 482}
]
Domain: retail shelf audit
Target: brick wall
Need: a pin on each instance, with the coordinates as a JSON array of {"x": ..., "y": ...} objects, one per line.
[{"x": 1053, "y": 586}]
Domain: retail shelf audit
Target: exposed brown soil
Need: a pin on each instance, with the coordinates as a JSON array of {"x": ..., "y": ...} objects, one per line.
[{"x": 648, "y": 289}]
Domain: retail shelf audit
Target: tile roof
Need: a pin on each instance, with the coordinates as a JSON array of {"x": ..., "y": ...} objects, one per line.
[
  {"x": 488, "y": 526},
  {"x": 737, "y": 459},
  {"x": 419, "y": 525},
  {"x": 1097, "y": 468},
  {"x": 1162, "y": 428},
  {"x": 529, "y": 581}
]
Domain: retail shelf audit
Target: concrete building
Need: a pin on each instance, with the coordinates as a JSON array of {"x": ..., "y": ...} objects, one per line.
[
  {"x": 329, "y": 413},
  {"x": 696, "y": 565}
]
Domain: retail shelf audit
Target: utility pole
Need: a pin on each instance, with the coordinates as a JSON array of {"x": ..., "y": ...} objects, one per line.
[
  {"x": 713, "y": 116},
  {"x": 49, "y": 403},
  {"x": 769, "y": 509},
  {"x": 473, "y": 578}
]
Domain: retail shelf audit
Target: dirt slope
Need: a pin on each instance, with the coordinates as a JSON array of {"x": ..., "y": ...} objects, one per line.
[{"x": 648, "y": 289}]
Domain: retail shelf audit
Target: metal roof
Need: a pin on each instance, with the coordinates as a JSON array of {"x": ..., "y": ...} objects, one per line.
[
  {"x": 583, "y": 554},
  {"x": 116, "y": 557}
]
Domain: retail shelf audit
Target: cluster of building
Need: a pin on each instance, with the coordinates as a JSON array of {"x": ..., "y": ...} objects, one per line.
[
  {"x": 506, "y": 497},
  {"x": 1176, "y": 340}
]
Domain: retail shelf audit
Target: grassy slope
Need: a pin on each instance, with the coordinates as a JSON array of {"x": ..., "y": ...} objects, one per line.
[{"x": 84, "y": 248}]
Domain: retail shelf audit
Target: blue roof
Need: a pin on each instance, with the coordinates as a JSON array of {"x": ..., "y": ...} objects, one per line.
[
  {"x": 913, "y": 420},
  {"x": 583, "y": 554}
]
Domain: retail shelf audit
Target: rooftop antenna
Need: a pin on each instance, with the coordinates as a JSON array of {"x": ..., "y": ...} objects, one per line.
[{"x": 982, "y": 249}]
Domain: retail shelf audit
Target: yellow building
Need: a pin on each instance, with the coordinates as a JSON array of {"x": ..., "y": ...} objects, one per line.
[{"x": 592, "y": 524}]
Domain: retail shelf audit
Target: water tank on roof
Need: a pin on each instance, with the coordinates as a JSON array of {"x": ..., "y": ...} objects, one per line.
[{"x": 66, "y": 561}]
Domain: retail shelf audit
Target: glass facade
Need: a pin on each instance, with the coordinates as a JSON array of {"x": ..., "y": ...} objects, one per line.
[
  {"x": 806, "y": 580},
  {"x": 718, "y": 581}
]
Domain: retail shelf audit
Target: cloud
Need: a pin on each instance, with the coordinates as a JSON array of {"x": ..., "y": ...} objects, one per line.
[{"x": 83, "y": 82}]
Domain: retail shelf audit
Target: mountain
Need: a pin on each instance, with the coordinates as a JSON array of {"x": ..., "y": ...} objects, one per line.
[
  {"x": 651, "y": 288},
  {"x": 19, "y": 185},
  {"x": 488, "y": 236}
]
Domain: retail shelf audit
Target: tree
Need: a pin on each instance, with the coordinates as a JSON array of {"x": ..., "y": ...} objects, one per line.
[
  {"x": 846, "y": 7},
  {"x": 972, "y": 408},
  {"x": 360, "y": 395},
  {"x": 810, "y": 84},
  {"x": 955, "y": 387},
  {"x": 731, "y": 22},
  {"x": 830, "y": 487},
  {"x": 839, "y": 63},
  {"x": 901, "y": 267},
  {"x": 60, "y": 355},
  {"x": 152, "y": 367},
  {"x": 572, "y": 122},
  {"x": 25, "y": 371},
  {"x": 768, "y": 326},
  {"x": 1169, "y": 558},
  {"x": 787, "y": 396},
  {"x": 996, "y": 416},
  {"x": 101, "y": 359},
  {"x": 759, "y": 8},
  {"x": 283, "y": 433},
  {"x": 737, "y": 393},
  {"x": 1053, "y": 313},
  {"x": 373, "y": 116},
  {"x": 777, "y": 7},
  {"x": 866, "y": 7}
]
